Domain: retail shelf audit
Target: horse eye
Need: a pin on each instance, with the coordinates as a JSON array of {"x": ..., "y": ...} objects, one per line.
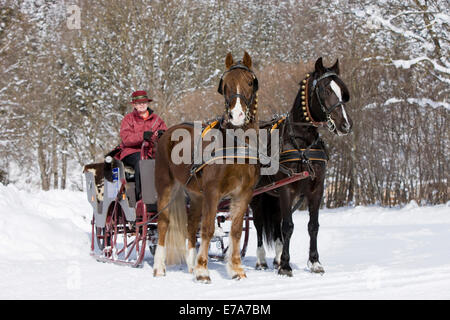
[{"x": 250, "y": 83}]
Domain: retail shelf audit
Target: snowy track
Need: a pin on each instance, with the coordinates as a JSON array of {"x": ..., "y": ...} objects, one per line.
[{"x": 367, "y": 253}]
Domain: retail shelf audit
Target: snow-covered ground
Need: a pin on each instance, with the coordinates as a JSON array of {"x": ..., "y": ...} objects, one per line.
[{"x": 367, "y": 253}]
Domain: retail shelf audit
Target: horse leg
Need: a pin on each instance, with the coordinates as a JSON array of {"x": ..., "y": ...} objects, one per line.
[
  {"x": 239, "y": 206},
  {"x": 261, "y": 263},
  {"x": 159, "y": 264},
  {"x": 278, "y": 250},
  {"x": 277, "y": 236},
  {"x": 287, "y": 228},
  {"x": 195, "y": 213},
  {"x": 209, "y": 211},
  {"x": 313, "y": 229}
]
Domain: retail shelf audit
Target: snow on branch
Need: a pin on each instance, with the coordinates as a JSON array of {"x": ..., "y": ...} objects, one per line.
[
  {"x": 426, "y": 43},
  {"x": 406, "y": 64},
  {"x": 421, "y": 102},
  {"x": 375, "y": 17}
]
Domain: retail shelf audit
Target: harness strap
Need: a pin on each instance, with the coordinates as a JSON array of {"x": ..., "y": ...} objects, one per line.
[
  {"x": 211, "y": 126},
  {"x": 277, "y": 124},
  {"x": 223, "y": 154},
  {"x": 302, "y": 154},
  {"x": 298, "y": 204}
]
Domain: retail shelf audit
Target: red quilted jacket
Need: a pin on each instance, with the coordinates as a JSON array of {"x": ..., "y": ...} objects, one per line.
[{"x": 132, "y": 131}]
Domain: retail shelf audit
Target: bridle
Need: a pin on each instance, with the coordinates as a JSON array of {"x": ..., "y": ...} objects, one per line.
[
  {"x": 253, "y": 99},
  {"x": 330, "y": 122},
  {"x": 307, "y": 101},
  {"x": 317, "y": 146}
]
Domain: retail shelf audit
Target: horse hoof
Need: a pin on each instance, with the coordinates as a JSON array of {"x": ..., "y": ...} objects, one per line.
[
  {"x": 261, "y": 266},
  {"x": 238, "y": 277},
  {"x": 285, "y": 272},
  {"x": 276, "y": 265},
  {"x": 157, "y": 273},
  {"x": 315, "y": 267},
  {"x": 203, "y": 279}
]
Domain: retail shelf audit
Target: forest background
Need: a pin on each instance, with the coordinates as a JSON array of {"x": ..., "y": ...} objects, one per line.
[{"x": 68, "y": 69}]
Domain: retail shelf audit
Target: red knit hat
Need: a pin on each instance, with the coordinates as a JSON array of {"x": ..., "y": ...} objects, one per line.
[{"x": 140, "y": 97}]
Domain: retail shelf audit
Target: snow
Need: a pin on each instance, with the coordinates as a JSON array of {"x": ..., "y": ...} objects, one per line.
[
  {"x": 367, "y": 252},
  {"x": 406, "y": 64},
  {"x": 419, "y": 101}
]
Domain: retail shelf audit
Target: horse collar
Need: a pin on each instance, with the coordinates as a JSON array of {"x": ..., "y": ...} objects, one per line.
[{"x": 306, "y": 102}]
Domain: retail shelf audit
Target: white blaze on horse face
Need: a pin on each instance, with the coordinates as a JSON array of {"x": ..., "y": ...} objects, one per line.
[
  {"x": 338, "y": 93},
  {"x": 345, "y": 115},
  {"x": 237, "y": 113},
  {"x": 336, "y": 89}
]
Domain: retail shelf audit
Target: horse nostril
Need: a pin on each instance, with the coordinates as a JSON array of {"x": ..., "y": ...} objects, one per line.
[{"x": 238, "y": 116}]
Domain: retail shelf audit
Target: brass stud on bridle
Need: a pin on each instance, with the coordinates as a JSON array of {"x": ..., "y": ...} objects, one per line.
[
  {"x": 255, "y": 107},
  {"x": 303, "y": 96}
]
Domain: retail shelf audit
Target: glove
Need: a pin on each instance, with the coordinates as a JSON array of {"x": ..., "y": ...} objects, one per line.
[
  {"x": 160, "y": 133},
  {"x": 148, "y": 135},
  {"x": 113, "y": 152}
]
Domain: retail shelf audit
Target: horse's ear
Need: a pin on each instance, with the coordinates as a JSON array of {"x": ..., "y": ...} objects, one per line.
[
  {"x": 229, "y": 60},
  {"x": 335, "y": 67},
  {"x": 247, "y": 61},
  {"x": 319, "y": 65}
]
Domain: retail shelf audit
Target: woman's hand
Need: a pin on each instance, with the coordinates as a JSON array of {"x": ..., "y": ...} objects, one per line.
[{"x": 148, "y": 135}]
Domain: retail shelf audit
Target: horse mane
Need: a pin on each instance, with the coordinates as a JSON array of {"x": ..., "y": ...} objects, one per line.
[{"x": 303, "y": 69}]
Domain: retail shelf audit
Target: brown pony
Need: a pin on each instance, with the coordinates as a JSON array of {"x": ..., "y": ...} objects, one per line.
[{"x": 206, "y": 188}]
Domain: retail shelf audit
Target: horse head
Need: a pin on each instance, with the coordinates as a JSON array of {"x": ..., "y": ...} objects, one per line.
[
  {"x": 325, "y": 99},
  {"x": 239, "y": 87}
]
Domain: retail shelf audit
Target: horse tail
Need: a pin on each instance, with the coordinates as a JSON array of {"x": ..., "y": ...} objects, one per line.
[
  {"x": 268, "y": 217},
  {"x": 177, "y": 230},
  {"x": 272, "y": 219}
]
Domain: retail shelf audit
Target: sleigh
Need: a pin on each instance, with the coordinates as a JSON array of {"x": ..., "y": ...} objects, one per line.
[{"x": 123, "y": 227}]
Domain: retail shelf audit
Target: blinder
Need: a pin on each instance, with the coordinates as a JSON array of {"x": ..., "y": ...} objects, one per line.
[
  {"x": 238, "y": 65},
  {"x": 315, "y": 89}
]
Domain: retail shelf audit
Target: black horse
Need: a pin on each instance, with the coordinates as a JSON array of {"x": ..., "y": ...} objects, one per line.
[{"x": 319, "y": 102}]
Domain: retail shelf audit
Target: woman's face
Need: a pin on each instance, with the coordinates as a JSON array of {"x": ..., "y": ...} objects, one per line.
[{"x": 141, "y": 107}]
